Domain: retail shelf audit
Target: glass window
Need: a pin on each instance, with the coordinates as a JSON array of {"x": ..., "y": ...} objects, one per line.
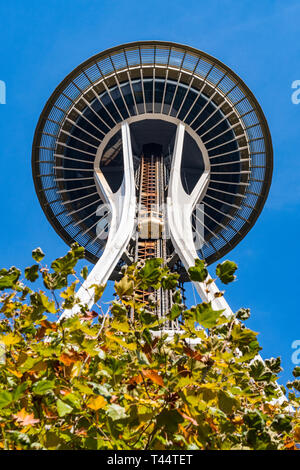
[
  {"x": 126, "y": 91},
  {"x": 148, "y": 87},
  {"x": 138, "y": 94},
  {"x": 170, "y": 89},
  {"x": 159, "y": 92},
  {"x": 118, "y": 100},
  {"x": 180, "y": 94}
]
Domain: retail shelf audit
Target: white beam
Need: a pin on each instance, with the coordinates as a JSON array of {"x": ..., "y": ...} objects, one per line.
[
  {"x": 123, "y": 207},
  {"x": 180, "y": 206}
]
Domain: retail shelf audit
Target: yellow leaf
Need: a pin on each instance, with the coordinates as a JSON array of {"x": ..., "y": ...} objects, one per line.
[
  {"x": 121, "y": 326},
  {"x": 128, "y": 397},
  {"x": 237, "y": 420},
  {"x": 98, "y": 291},
  {"x": 147, "y": 402},
  {"x": 76, "y": 369},
  {"x": 130, "y": 346},
  {"x": 17, "y": 374},
  {"x": 297, "y": 434},
  {"x": 10, "y": 339},
  {"x": 8, "y": 307},
  {"x": 39, "y": 366},
  {"x": 69, "y": 291},
  {"x": 210, "y": 386},
  {"x": 96, "y": 403}
]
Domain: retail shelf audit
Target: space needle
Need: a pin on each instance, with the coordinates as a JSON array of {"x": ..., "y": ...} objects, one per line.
[{"x": 152, "y": 149}]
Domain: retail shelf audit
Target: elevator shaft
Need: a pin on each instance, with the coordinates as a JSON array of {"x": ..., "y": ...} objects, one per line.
[{"x": 150, "y": 240}]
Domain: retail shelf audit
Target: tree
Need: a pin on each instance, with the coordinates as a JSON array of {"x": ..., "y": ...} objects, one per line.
[{"x": 114, "y": 379}]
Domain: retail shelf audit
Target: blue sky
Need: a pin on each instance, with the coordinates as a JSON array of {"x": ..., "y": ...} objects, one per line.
[{"x": 41, "y": 42}]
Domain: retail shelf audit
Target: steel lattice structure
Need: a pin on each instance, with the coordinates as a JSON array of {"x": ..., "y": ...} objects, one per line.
[{"x": 210, "y": 130}]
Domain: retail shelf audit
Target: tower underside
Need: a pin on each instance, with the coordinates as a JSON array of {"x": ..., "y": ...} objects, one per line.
[{"x": 161, "y": 140}]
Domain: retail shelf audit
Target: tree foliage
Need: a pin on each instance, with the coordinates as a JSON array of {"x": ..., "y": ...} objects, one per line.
[{"x": 115, "y": 379}]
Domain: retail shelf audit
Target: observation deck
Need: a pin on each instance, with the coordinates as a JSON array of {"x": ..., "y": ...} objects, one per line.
[{"x": 154, "y": 86}]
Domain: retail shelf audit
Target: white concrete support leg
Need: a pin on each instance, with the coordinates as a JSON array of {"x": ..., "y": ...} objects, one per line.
[
  {"x": 180, "y": 206},
  {"x": 123, "y": 209}
]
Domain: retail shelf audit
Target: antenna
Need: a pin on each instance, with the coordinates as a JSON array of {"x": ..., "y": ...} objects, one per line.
[{"x": 152, "y": 149}]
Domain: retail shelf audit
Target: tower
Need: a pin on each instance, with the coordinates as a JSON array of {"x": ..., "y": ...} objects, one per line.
[{"x": 152, "y": 149}]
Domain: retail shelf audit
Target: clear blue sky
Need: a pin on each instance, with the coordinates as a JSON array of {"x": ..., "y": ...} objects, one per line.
[{"x": 41, "y": 42}]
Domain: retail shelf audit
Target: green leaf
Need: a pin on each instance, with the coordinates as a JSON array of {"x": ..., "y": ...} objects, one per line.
[
  {"x": 83, "y": 388},
  {"x": 54, "y": 281},
  {"x": 43, "y": 386},
  {"x": 119, "y": 311},
  {"x": 73, "y": 399},
  {"x": 296, "y": 371},
  {"x": 40, "y": 304},
  {"x": 255, "y": 420},
  {"x": 243, "y": 336},
  {"x": 274, "y": 364},
  {"x": 63, "y": 408},
  {"x": 19, "y": 390},
  {"x": 282, "y": 423},
  {"x": 142, "y": 358},
  {"x": 8, "y": 278},
  {"x": 105, "y": 390},
  {"x": 31, "y": 273},
  {"x": 170, "y": 281},
  {"x": 225, "y": 271},
  {"x": 148, "y": 319},
  {"x": 124, "y": 287},
  {"x": 5, "y": 398},
  {"x": 20, "y": 437},
  {"x": 147, "y": 336},
  {"x": 151, "y": 273},
  {"x": 227, "y": 402},
  {"x": 38, "y": 254},
  {"x": 176, "y": 297},
  {"x": 98, "y": 291},
  {"x": 49, "y": 305},
  {"x": 243, "y": 314},
  {"x": 271, "y": 390},
  {"x": 115, "y": 366},
  {"x": 249, "y": 352},
  {"x": 52, "y": 440},
  {"x": 175, "y": 312},
  {"x": 65, "y": 265},
  {"x": 198, "y": 273},
  {"x": 169, "y": 420},
  {"x": 116, "y": 412},
  {"x": 259, "y": 371},
  {"x": 296, "y": 385},
  {"x": 204, "y": 314},
  {"x": 77, "y": 251},
  {"x": 84, "y": 272}
]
